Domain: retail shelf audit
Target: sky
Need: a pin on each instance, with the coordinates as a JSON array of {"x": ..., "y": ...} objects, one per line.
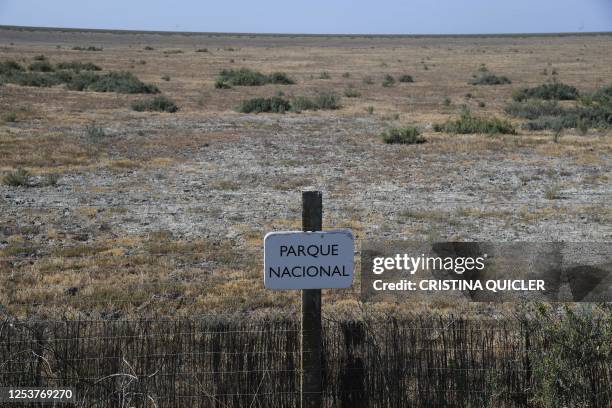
[{"x": 316, "y": 16}]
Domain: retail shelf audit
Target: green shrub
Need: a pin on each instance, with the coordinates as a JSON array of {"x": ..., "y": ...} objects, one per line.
[
  {"x": 280, "y": 78},
  {"x": 249, "y": 77},
  {"x": 602, "y": 96},
  {"x": 78, "y": 66},
  {"x": 156, "y": 104},
  {"x": 220, "y": 84},
  {"x": 40, "y": 58},
  {"x": 17, "y": 178},
  {"x": 90, "y": 48},
  {"x": 447, "y": 101},
  {"x": 327, "y": 100},
  {"x": 490, "y": 79},
  {"x": 388, "y": 81},
  {"x": 555, "y": 90},
  {"x": 324, "y": 101},
  {"x": 577, "y": 355},
  {"x": 258, "y": 105},
  {"x": 9, "y": 117},
  {"x": 9, "y": 67},
  {"x": 80, "y": 81},
  {"x": 94, "y": 133},
  {"x": 302, "y": 103},
  {"x": 407, "y": 135},
  {"x": 351, "y": 92},
  {"x": 37, "y": 79},
  {"x": 324, "y": 75},
  {"x": 405, "y": 78},
  {"x": 242, "y": 77},
  {"x": 579, "y": 118},
  {"x": 468, "y": 124},
  {"x": 41, "y": 66},
  {"x": 346, "y": 75},
  {"x": 202, "y": 50},
  {"x": 122, "y": 82},
  {"x": 148, "y": 48},
  {"x": 533, "y": 109}
]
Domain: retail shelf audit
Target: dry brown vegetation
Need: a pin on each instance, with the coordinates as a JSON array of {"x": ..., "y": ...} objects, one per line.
[{"x": 165, "y": 212}]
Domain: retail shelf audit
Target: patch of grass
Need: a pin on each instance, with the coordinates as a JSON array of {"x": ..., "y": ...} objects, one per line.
[
  {"x": 94, "y": 133},
  {"x": 242, "y": 77},
  {"x": 40, "y": 58},
  {"x": 323, "y": 101},
  {"x": 165, "y": 78},
  {"x": 89, "y": 48},
  {"x": 17, "y": 178},
  {"x": 370, "y": 110},
  {"x": 552, "y": 192},
  {"x": 592, "y": 111},
  {"x": 324, "y": 75},
  {"x": 36, "y": 79},
  {"x": 156, "y": 104},
  {"x": 603, "y": 95},
  {"x": 490, "y": 79},
  {"x": 249, "y": 77},
  {"x": 368, "y": 80},
  {"x": 122, "y": 82},
  {"x": 407, "y": 135},
  {"x": 80, "y": 81},
  {"x": 173, "y": 52},
  {"x": 10, "y": 67},
  {"x": 351, "y": 92},
  {"x": 469, "y": 124},
  {"x": 41, "y": 66},
  {"x": 346, "y": 75},
  {"x": 388, "y": 81},
  {"x": 280, "y": 78},
  {"x": 78, "y": 66},
  {"x": 51, "y": 179},
  {"x": 533, "y": 109},
  {"x": 555, "y": 90},
  {"x": 9, "y": 117},
  {"x": 259, "y": 105},
  {"x": 220, "y": 84},
  {"x": 405, "y": 78}
]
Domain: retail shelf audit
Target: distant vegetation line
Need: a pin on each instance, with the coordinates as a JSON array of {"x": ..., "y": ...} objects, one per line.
[{"x": 233, "y": 34}]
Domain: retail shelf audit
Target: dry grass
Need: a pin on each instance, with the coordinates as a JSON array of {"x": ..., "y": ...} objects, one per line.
[{"x": 127, "y": 269}]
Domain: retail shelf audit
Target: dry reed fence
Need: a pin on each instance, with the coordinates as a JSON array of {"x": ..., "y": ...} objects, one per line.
[{"x": 420, "y": 362}]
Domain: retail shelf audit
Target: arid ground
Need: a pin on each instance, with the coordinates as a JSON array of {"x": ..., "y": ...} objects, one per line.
[{"x": 165, "y": 212}]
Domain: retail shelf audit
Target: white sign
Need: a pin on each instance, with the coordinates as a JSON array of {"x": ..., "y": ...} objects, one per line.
[{"x": 309, "y": 260}]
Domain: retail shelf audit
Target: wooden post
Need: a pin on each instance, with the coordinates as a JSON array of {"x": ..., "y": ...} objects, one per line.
[{"x": 310, "y": 353}]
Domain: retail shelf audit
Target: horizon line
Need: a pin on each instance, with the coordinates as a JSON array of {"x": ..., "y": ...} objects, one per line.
[{"x": 287, "y": 34}]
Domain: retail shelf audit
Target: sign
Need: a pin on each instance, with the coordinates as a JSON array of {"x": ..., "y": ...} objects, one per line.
[{"x": 309, "y": 260}]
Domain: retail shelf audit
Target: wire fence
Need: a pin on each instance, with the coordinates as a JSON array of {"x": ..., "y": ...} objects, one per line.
[{"x": 213, "y": 361}]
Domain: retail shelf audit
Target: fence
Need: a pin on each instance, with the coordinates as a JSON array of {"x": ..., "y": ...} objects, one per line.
[{"x": 419, "y": 362}]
